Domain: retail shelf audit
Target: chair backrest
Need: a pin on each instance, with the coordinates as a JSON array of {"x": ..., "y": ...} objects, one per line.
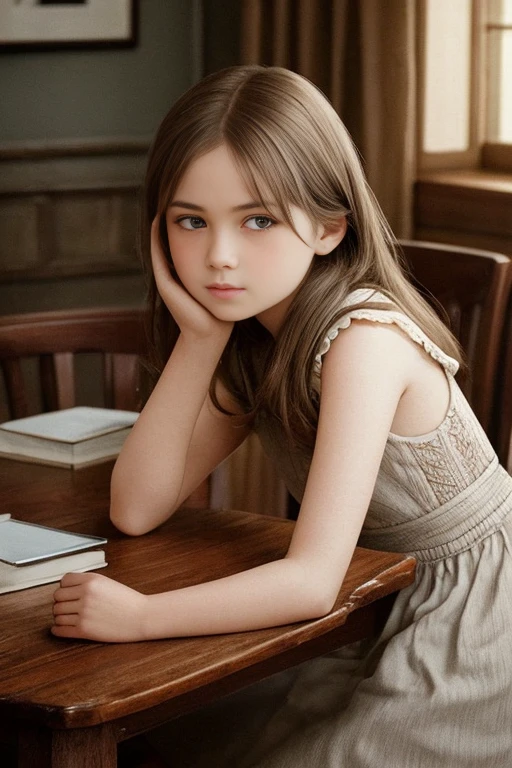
[
  {"x": 471, "y": 286},
  {"x": 503, "y": 403},
  {"x": 55, "y": 339}
]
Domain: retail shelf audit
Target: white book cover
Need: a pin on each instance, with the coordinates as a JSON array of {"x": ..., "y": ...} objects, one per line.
[
  {"x": 72, "y": 425},
  {"x": 23, "y": 543},
  {"x": 31, "y": 554},
  {"x": 72, "y": 437}
]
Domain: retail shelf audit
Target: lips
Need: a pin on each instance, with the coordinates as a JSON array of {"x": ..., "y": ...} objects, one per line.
[
  {"x": 224, "y": 287},
  {"x": 224, "y": 290}
]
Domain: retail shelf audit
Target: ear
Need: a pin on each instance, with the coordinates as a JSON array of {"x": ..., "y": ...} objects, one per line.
[{"x": 329, "y": 237}]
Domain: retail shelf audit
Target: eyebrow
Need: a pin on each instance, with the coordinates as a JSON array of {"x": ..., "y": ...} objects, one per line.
[{"x": 194, "y": 207}]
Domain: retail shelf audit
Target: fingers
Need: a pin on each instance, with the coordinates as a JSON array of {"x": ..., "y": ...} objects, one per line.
[
  {"x": 66, "y": 615},
  {"x": 67, "y": 631},
  {"x": 167, "y": 286},
  {"x": 70, "y": 591},
  {"x": 65, "y": 607},
  {"x": 75, "y": 579},
  {"x": 160, "y": 265},
  {"x": 66, "y": 620},
  {"x": 64, "y": 594},
  {"x": 66, "y": 612}
]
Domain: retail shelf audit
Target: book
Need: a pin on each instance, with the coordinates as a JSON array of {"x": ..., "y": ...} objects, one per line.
[
  {"x": 72, "y": 437},
  {"x": 32, "y": 554}
]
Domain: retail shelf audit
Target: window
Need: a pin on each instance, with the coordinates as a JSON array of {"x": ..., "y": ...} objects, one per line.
[
  {"x": 447, "y": 75},
  {"x": 499, "y": 56},
  {"x": 466, "y": 89},
  {"x": 463, "y": 193}
]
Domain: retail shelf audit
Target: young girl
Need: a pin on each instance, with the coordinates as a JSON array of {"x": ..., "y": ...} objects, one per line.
[{"x": 280, "y": 306}]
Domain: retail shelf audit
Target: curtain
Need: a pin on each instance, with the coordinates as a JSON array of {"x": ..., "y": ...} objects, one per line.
[{"x": 362, "y": 54}]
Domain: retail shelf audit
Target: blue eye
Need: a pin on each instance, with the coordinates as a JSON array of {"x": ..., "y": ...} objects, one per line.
[
  {"x": 259, "y": 222},
  {"x": 192, "y": 222}
]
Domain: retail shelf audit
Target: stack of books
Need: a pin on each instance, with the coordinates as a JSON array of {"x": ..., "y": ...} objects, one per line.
[{"x": 35, "y": 554}]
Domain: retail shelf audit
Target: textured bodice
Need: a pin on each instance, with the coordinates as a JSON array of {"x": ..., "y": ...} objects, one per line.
[{"x": 435, "y": 494}]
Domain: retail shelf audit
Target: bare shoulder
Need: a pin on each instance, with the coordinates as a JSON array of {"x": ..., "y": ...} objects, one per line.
[
  {"x": 372, "y": 347},
  {"x": 380, "y": 364}
]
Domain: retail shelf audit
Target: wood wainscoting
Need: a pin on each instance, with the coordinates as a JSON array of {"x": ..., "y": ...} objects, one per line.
[{"x": 69, "y": 208}]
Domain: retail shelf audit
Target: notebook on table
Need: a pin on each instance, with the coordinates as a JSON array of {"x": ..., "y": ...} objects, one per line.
[{"x": 33, "y": 554}]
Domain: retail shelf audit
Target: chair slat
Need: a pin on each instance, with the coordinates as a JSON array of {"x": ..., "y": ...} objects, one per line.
[
  {"x": 471, "y": 285},
  {"x": 125, "y": 373},
  {"x": 65, "y": 379},
  {"x": 15, "y": 388},
  {"x": 503, "y": 405},
  {"x": 55, "y": 339},
  {"x": 49, "y": 396}
]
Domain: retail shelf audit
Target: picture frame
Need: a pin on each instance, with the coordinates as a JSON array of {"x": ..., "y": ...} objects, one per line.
[{"x": 30, "y": 25}]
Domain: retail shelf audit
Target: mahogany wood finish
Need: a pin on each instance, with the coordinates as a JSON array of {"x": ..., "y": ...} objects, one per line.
[
  {"x": 503, "y": 404},
  {"x": 71, "y": 702},
  {"x": 471, "y": 286},
  {"x": 468, "y": 207},
  {"x": 55, "y": 338}
]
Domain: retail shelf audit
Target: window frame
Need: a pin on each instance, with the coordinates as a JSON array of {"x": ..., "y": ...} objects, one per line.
[{"x": 480, "y": 153}]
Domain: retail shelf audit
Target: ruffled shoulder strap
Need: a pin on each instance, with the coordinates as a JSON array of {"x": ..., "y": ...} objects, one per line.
[{"x": 390, "y": 316}]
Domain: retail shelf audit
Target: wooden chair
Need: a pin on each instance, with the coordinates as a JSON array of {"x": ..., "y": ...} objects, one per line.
[
  {"x": 56, "y": 339},
  {"x": 503, "y": 401},
  {"x": 471, "y": 286}
]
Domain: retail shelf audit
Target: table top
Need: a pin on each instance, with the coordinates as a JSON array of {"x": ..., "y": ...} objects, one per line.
[{"x": 66, "y": 684}]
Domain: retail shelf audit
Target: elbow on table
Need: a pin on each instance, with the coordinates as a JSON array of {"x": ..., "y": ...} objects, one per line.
[
  {"x": 321, "y": 605},
  {"x": 318, "y": 595},
  {"x": 135, "y": 518},
  {"x": 135, "y": 513},
  {"x": 127, "y": 522}
]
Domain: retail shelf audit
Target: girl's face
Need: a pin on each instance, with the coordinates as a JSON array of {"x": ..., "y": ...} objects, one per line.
[{"x": 230, "y": 251}]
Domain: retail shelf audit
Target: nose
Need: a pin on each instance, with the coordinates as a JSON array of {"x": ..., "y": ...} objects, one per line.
[{"x": 221, "y": 252}]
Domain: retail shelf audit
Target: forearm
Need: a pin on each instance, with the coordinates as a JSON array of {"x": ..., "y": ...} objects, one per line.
[
  {"x": 149, "y": 472},
  {"x": 273, "y": 594}
]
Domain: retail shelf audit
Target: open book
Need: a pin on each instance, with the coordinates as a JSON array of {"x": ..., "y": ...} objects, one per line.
[
  {"x": 72, "y": 437},
  {"x": 35, "y": 554}
]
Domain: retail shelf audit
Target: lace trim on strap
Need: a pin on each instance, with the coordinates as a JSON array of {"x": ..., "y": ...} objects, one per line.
[{"x": 384, "y": 316}]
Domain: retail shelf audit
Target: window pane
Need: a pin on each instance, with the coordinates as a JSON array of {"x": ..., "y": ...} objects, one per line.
[
  {"x": 447, "y": 75},
  {"x": 499, "y": 84},
  {"x": 506, "y": 12},
  {"x": 499, "y": 11},
  {"x": 505, "y": 89}
]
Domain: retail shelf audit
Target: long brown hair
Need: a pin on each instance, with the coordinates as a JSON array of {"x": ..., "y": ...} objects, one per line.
[{"x": 288, "y": 141}]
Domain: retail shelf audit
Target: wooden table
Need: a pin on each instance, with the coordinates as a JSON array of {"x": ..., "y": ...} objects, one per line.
[{"x": 71, "y": 702}]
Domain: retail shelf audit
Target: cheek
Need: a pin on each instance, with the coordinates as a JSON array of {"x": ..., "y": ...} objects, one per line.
[{"x": 287, "y": 263}]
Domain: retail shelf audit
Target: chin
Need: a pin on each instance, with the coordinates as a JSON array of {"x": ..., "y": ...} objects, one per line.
[{"x": 230, "y": 317}]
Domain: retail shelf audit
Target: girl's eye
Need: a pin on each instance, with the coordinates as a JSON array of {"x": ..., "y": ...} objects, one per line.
[
  {"x": 191, "y": 222},
  {"x": 259, "y": 222}
]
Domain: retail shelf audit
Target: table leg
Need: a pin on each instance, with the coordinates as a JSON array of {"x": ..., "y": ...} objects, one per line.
[{"x": 40, "y": 747}]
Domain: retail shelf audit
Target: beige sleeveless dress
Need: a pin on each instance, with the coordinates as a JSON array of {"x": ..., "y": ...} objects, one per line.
[{"x": 435, "y": 689}]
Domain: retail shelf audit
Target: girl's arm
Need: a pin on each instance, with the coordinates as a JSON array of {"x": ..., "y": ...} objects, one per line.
[
  {"x": 179, "y": 437},
  {"x": 364, "y": 376}
]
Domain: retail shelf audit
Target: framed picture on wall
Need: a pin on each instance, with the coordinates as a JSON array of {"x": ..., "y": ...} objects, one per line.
[{"x": 54, "y": 24}]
